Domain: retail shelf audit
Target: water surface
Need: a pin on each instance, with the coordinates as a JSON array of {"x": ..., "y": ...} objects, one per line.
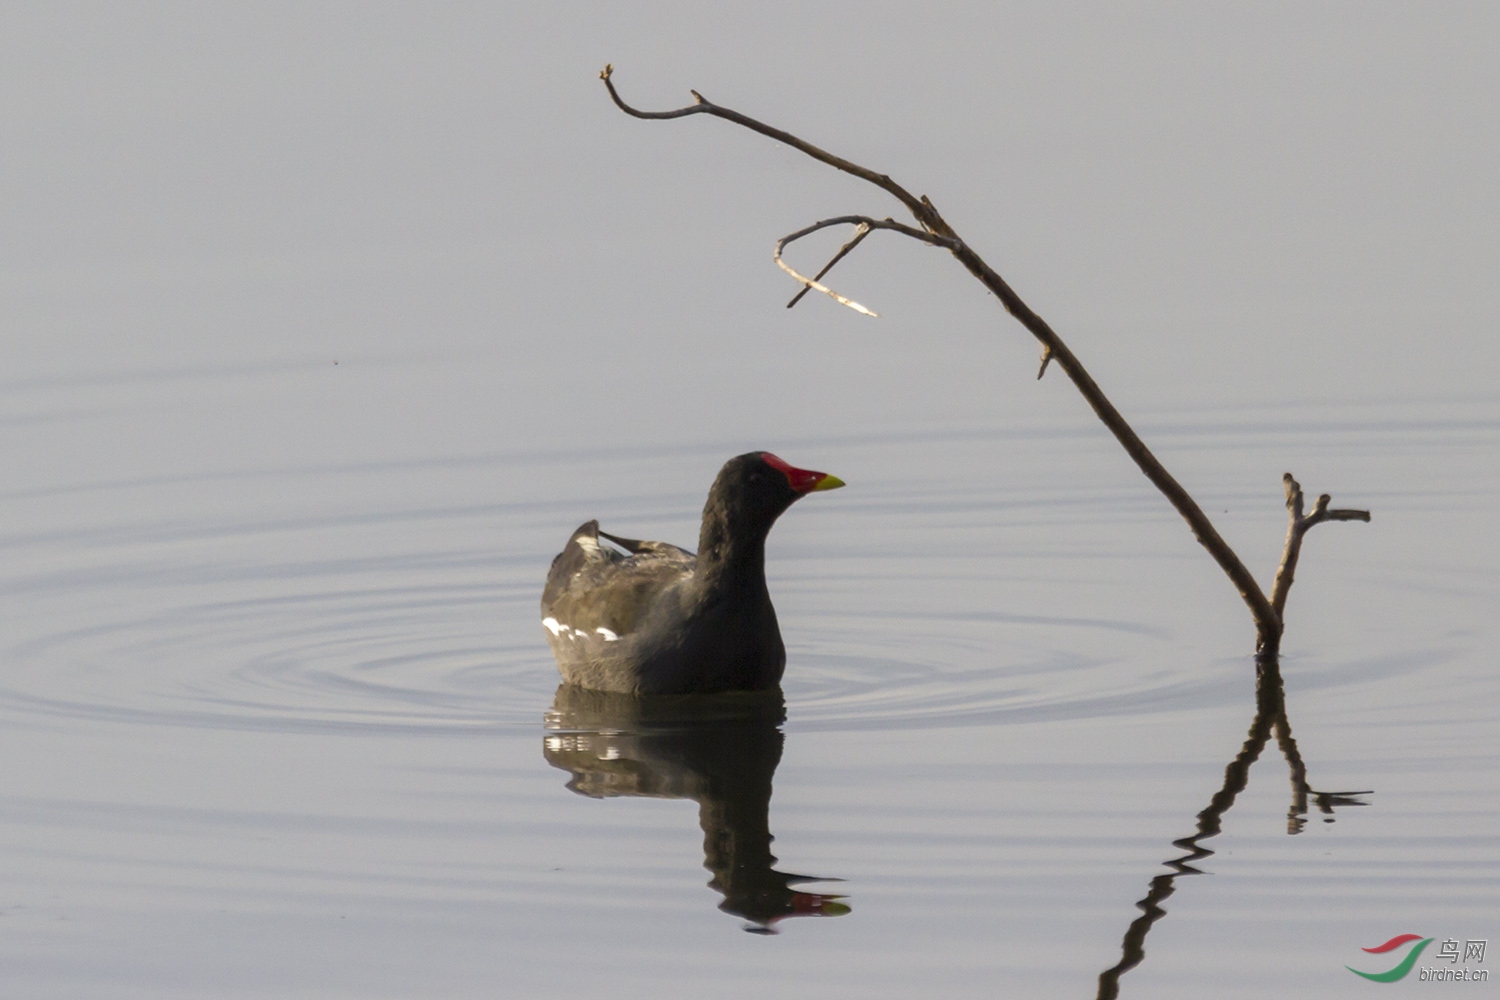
[
  {"x": 294, "y": 728},
  {"x": 324, "y": 327}
]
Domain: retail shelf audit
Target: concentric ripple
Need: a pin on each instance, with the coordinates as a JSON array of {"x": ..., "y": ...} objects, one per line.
[
  {"x": 421, "y": 617},
  {"x": 326, "y": 624}
]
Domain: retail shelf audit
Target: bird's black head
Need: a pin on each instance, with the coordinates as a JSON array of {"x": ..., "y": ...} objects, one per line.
[{"x": 750, "y": 493}]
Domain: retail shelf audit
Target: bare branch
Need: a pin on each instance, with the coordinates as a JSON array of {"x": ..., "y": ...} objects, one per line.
[
  {"x": 937, "y": 232},
  {"x": 931, "y": 239},
  {"x": 919, "y": 207},
  {"x": 1298, "y": 525}
]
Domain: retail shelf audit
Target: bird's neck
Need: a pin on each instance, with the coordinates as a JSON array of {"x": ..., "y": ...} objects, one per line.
[{"x": 728, "y": 560}]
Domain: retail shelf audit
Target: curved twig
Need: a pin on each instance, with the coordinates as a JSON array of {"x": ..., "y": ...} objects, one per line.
[
  {"x": 919, "y": 207},
  {"x": 864, "y": 225},
  {"x": 860, "y": 232}
]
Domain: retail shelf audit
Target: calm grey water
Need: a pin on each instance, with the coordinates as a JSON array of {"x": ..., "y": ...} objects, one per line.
[
  {"x": 325, "y": 327},
  {"x": 287, "y": 729}
]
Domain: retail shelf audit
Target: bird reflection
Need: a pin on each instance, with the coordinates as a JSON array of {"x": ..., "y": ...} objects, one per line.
[
  {"x": 718, "y": 750},
  {"x": 1270, "y": 719}
]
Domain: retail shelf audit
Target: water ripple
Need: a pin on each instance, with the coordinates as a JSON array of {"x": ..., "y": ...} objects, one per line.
[{"x": 421, "y": 619}]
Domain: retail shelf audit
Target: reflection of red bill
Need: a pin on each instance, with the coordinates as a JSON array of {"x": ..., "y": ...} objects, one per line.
[{"x": 1392, "y": 944}]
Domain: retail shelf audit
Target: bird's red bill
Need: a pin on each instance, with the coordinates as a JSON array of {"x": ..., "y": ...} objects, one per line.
[{"x": 802, "y": 480}]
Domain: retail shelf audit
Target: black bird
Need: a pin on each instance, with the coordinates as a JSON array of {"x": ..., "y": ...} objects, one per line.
[{"x": 662, "y": 620}]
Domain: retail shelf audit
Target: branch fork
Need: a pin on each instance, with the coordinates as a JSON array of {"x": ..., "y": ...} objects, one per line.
[{"x": 1298, "y": 525}]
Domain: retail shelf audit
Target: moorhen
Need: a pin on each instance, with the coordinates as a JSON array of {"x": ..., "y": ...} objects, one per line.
[{"x": 662, "y": 620}]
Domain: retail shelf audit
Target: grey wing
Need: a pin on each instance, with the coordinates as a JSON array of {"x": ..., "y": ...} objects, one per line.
[{"x": 594, "y": 590}]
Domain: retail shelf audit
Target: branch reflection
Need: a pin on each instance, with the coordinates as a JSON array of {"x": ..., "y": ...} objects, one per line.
[
  {"x": 720, "y": 751},
  {"x": 1270, "y": 718}
]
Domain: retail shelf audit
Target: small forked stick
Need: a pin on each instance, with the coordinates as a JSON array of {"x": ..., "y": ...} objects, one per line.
[{"x": 1298, "y": 524}]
